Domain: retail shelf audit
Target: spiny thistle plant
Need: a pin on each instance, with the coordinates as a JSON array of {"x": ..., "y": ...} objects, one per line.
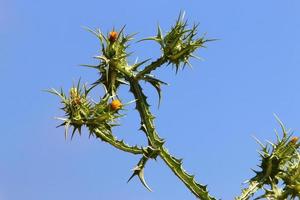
[{"x": 279, "y": 176}]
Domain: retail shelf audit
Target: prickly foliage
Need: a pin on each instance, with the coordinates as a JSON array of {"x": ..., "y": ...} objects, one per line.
[
  {"x": 76, "y": 106},
  {"x": 279, "y": 165},
  {"x": 96, "y": 116},
  {"x": 279, "y": 160},
  {"x": 199, "y": 190},
  {"x": 179, "y": 44},
  {"x": 113, "y": 67}
]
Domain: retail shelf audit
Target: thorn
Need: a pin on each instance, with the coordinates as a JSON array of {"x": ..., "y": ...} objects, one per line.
[
  {"x": 281, "y": 124},
  {"x": 142, "y": 179},
  {"x": 272, "y": 144},
  {"x": 73, "y": 133},
  {"x": 140, "y": 173},
  {"x": 134, "y": 174},
  {"x": 259, "y": 142},
  {"x": 67, "y": 130}
]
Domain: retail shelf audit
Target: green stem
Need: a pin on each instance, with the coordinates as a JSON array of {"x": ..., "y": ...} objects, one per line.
[
  {"x": 156, "y": 142},
  {"x": 175, "y": 165},
  {"x": 160, "y": 61},
  {"x": 124, "y": 71},
  {"x": 248, "y": 192},
  {"x": 119, "y": 144},
  {"x": 142, "y": 106}
]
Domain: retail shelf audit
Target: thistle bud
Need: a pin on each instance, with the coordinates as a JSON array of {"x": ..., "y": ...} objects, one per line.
[
  {"x": 75, "y": 97},
  {"x": 294, "y": 140},
  {"x": 116, "y": 105},
  {"x": 113, "y": 35},
  {"x": 73, "y": 92}
]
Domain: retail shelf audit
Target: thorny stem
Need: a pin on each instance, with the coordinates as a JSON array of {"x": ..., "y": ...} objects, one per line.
[
  {"x": 200, "y": 191},
  {"x": 248, "y": 192},
  {"x": 160, "y": 61},
  {"x": 177, "y": 47},
  {"x": 156, "y": 142},
  {"x": 142, "y": 106},
  {"x": 119, "y": 144}
]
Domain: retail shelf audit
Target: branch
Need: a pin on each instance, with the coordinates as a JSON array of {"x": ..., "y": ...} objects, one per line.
[
  {"x": 248, "y": 192},
  {"x": 142, "y": 107},
  {"x": 119, "y": 144},
  {"x": 156, "y": 142},
  {"x": 175, "y": 164},
  {"x": 160, "y": 61},
  {"x": 139, "y": 171}
]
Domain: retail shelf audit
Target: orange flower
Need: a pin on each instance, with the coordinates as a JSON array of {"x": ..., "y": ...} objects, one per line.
[
  {"x": 294, "y": 140},
  {"x": 113, "y": 35},
  {"x": 116, "y": 105}
]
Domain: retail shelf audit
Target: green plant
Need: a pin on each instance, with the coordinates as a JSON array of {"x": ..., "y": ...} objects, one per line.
[
  {"x": 279, "y": 175},
  {"x": 279, "y": 161}
]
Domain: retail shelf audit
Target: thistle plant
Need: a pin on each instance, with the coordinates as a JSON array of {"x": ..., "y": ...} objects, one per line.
[{"x": 279, "y": 176}]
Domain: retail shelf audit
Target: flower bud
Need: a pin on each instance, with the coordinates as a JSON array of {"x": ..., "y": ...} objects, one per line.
[
  {"x": 116, "y": 105},
  {"x": 73, "y": 92},
  {"x": 294, "y": 140},
  {"x": 113, "y": 35},
  {"x": 75, "y": 96}
]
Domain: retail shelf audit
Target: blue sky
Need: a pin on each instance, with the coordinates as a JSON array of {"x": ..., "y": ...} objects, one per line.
[{"x": 208, "y": 114}]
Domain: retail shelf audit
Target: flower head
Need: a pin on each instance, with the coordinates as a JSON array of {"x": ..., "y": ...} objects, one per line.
[
  {"x": 75, "y": 97},
  {"x": 116, "y": 105},
  {"x": 113, "y": 35},
  {"x": 294, "y": 140}
]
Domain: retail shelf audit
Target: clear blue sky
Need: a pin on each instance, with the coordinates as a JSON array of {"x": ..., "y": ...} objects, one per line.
[{"x": 207, "y": 116}]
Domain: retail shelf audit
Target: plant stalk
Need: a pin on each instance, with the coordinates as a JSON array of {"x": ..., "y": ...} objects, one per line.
[
  {"x": 160, "y": 61},
  {"x": 119, "y": 144},
  {"x": 200, "y": 191}
]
